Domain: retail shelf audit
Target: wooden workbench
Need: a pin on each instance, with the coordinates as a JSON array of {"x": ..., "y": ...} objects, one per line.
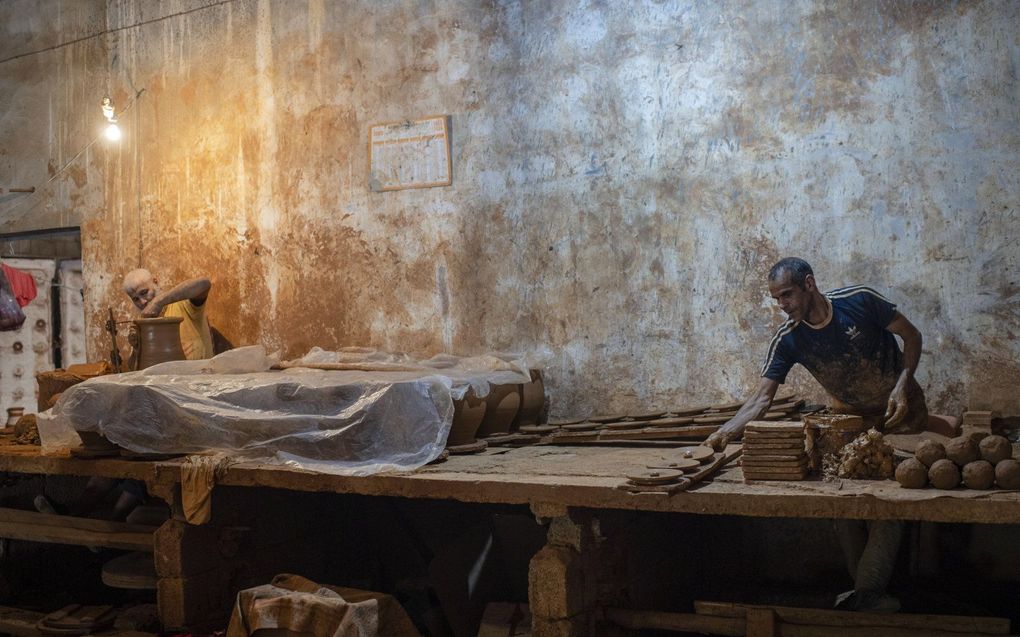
[{"x": 551, "y": 478}]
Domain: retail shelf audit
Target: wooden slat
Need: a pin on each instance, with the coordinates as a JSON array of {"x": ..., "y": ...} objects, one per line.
[
  {"x": 660, "y": 433},
  {"x": 16, "y": 524},
  {"x": 843, "y": 619}
]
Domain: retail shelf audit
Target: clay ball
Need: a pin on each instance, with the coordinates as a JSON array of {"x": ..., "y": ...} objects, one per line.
[
  {"x": 962, "y": 450},
  {"x": 912, "y": 474},
  {"x": 995, "y": 449},
  {"x": 1007, "y": 474},
  {"x": 928, "y": 451},
  {"x": 979, "y": 474},
  {"x": 943, "y": 474}
]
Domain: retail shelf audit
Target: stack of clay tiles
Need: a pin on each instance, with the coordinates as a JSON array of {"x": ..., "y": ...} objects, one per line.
[
  {"x": 977, "y": 422},
  {"x": 774, "y": 451}
]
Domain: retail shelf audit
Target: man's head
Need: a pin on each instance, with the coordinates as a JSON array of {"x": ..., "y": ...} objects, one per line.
[
  {"x": 792, "y": 285},
  {"x": 141, "y": 286}
]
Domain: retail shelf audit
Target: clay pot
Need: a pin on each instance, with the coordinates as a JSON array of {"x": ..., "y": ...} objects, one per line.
[
  {"x": 501, "y": 407},
  {"x": 159, "y": 340},
  {"x": 13, "y": 414},
  {"x": 532, "y": 401},
  {"x": 468, "y": 413}
]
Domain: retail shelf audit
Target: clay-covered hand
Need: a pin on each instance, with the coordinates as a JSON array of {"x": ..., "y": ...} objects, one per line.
[
  {"x": 719, "y": 440},
  {"x": 11, "y": 316},
  {"x": 897, "y": 409},
  {"x": 153, "y": 308}
]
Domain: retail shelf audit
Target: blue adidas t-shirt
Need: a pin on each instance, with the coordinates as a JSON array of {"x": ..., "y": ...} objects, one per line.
[{"x": 851, "y": 355}]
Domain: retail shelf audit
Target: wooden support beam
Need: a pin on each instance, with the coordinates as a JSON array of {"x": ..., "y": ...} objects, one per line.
[{"x": 16, "y": 524}]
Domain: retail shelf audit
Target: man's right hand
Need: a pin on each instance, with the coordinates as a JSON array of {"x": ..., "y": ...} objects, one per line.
[
  {"x": 719, "y": 439},
  {"x": 11, "y": 316}
]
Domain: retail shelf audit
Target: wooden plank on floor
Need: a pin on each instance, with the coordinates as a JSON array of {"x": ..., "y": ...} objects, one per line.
[
  {"x": 816, "y": 617},
  {"x": 16, "y": 524},
  {"x": 15, "y": 621},
  {"x": 683, "y": 622},
  {"x": 761, "y": 622},
  {"x": 22, "y": 623},
  {"x": 805, "y": 630}
]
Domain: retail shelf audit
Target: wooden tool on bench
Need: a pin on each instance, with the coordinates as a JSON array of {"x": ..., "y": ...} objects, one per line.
[
  {"x": 712, "y": 468},
  {"x": 669, "y": 482}
]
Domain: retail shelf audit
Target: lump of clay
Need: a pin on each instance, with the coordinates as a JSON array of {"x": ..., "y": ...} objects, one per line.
[
  {"x": 928, "y": 451},
  {"x": 1007, "y": 474},
  {"x": 912, "y": 474},
  {"x": 962, "y": 450},
  {"x": 943, "y": 474},
  {"x": 979, "y": 474},
  {"x": 866, "y": 457},
  {"x": 995, "y": 449}
]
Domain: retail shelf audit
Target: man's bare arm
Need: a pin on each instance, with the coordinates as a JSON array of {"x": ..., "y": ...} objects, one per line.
[
  {"x": 753, "y": 408},
  {"x": 912, "y": 340},
  {"x": 196, "y": 290}
]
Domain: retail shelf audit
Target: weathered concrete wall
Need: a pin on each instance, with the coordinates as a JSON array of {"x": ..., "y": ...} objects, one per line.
[{"x": 624, "y": 175}]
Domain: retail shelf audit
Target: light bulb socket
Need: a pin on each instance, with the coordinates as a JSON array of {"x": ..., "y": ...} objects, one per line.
[{"x": 108, "y": 109}]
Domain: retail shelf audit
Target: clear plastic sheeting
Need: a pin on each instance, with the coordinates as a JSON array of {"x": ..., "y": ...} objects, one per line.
[
  {"x": 476, "y": 372},
  {"x": 350, "y": 422}
]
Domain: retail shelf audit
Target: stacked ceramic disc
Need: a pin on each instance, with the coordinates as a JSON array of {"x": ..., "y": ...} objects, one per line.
[{"x": 774, "y": 451}]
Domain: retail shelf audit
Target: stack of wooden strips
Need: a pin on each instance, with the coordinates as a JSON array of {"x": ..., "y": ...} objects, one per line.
[
  {"x": 774, "y": 451},
  {"x": 683, "y": 423}
]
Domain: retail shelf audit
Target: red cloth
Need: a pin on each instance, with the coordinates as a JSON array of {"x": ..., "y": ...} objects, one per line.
[{"x": 22, "y": 284}]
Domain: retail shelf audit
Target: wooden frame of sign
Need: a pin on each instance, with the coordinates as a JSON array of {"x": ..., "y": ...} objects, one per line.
[{"x": 413, "y": 153}]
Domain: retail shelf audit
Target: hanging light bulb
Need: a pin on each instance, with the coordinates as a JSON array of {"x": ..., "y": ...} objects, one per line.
[{"x": 112, "y": 131}]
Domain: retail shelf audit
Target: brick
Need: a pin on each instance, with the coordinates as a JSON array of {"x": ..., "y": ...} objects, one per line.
[
  {"x": 196, "y": 602},
  {"x": 182, "y": 549},
  {"x": 555, "y": 583}
]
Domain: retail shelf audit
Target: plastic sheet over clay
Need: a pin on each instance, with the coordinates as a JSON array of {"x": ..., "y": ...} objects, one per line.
[{"x": 340, "y": 422}]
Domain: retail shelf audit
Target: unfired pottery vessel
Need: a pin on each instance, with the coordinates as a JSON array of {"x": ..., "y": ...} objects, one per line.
[
  {"x": 159, "y": 340},
  {"x": 532, "y": 401},
  {"x": 468, "y": 413},
  {"x": 501, "y": 407},
  {"x": 14, "y": 414}
]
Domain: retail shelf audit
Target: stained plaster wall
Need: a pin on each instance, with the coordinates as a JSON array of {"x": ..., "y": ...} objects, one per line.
[{"x": 624, "y": 175}]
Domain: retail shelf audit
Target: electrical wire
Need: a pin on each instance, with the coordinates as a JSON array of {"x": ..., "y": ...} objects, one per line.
[
  {"x": 39, "y": 191},
  {"x": 115, "y": 30}
]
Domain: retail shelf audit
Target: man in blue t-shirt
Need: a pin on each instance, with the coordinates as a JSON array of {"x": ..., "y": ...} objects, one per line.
[{"x": 847, "y": 340}]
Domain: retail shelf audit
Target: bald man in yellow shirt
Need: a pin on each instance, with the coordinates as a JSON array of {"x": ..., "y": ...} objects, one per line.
[{"x": 186, "y": 300}]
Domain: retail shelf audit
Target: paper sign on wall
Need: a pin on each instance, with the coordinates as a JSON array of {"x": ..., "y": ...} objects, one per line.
[{"x": 410, "y": 154}]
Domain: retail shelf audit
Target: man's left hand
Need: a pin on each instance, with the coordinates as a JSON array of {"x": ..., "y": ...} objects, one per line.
[
  {"x": 153, "y": 309},
  {"x": 897, "y": 409}
]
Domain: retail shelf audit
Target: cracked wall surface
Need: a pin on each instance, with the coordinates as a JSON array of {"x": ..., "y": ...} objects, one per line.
[{"x": 624, "y": 176}]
